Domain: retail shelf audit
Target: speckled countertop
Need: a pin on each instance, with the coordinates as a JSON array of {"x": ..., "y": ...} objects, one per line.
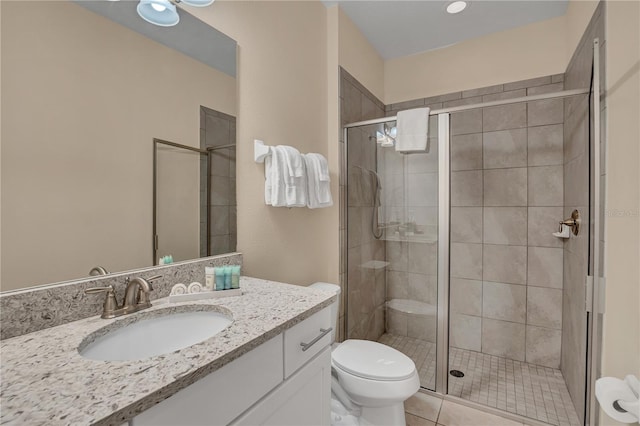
[{"x": 46, "y": 381}]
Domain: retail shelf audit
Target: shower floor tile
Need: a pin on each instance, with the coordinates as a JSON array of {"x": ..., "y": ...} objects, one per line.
[{"x": 517, "y": 387}]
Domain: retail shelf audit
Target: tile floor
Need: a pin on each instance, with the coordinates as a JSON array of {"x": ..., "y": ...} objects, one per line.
[
  {"x": 427, "y": 410},
  {"x": 517, "y": 387}
]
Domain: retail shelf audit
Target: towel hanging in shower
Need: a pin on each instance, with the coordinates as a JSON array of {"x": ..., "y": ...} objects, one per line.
[{"x": 413, "y": 130}]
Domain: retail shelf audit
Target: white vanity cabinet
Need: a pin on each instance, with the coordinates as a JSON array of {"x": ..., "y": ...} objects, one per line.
[{"x": 277, "y": 383}]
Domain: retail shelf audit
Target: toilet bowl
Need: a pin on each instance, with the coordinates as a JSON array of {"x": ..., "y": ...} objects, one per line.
[{"x": 371, "y": 381}]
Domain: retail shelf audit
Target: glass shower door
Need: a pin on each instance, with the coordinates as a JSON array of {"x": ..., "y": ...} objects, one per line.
[{"x": 393, "y": 243}]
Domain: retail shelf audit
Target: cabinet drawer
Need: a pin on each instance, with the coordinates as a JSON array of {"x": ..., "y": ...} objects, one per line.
[{"x": 307, "y": 332}]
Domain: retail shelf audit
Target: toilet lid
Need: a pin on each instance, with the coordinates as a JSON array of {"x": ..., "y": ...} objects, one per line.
[{"x": 372, "y": 360}]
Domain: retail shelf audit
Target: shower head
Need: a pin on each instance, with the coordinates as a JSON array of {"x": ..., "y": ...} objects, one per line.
[{"x": 386, "y": 137}]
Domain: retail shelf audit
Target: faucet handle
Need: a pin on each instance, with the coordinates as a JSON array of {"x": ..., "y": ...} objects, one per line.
[
  {"x": 110, "y": 303},
  {"x": 95, "y": 290},
  {"x": 152, "y": 279},
  {"x": 149, "y": 280}
]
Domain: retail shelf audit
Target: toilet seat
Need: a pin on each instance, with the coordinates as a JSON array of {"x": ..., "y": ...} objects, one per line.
[{"x": 372, "y": 361}]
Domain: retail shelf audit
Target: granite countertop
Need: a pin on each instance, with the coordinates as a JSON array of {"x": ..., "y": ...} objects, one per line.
[{"x": 46, "y": 381}]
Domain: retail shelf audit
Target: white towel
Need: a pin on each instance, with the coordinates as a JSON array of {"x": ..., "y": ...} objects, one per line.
[
  {"x": 318, "y": 181},
  {"x": 275, "y": 170},
  {"x": 286, "y": 180},
  {"x": 295, "y": 164},
  {"x": 413, "y": 130},
  {"x": 295, "y": 177},
  {"x": 268, "y": 184}
]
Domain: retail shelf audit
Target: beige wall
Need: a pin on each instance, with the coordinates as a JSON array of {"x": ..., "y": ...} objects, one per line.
[
  {"x": 517, "y": 54},
  {"x": 621, "y": 334},
  {"x": 349, "y": 49},
  {"x": 79, "y": 115},
  {"x": 577, "y": 17},
  {"x": 358, "y": 57},
  {"x": 294, "y": 63},
  {"x": 541, "y": 48},
  {"x": 282, "y": 99}
]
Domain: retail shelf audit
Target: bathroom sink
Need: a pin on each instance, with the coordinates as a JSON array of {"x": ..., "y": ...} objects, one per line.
[{"x": 160, "y": 332}]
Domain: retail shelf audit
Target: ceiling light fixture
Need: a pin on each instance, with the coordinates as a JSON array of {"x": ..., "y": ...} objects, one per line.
[
  {"x": 196, "y": 3},
  {"x": 164, "y": 12},
  {"x": 158, "y": 7},
  {"x": 456, "y": 7},
  {"x": 158, "y": 12}
]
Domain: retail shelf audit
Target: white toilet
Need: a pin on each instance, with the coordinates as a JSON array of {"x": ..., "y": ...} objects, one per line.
[{"x": 370, "y": 381}]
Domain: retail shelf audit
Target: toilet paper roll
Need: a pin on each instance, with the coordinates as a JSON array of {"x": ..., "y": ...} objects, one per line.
[{"x": 609, "y": 391}]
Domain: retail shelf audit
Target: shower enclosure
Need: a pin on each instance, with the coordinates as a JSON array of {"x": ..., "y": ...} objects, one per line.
[{"x": 449, "y": 256}]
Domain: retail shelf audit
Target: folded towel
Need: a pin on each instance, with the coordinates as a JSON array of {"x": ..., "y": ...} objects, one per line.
[
  {"x": 318, "y": 181},
  {"x": 322, "y": 167},
  {"x": 275, "y": 170},
  {"x": 295, "y": 177},
  {"x": 294, "y": 160},
  {"x": 282, "y": 187},
  {"x": 268, "y": 182},
  {"x": 413, "y": 130}
]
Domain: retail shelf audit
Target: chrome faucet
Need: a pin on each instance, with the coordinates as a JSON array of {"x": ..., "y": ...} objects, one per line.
[
  {"x": 136, "y": 297},
  {"x": 137, "y": 300}
]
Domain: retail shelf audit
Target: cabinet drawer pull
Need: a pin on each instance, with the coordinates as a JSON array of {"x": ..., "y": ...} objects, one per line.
[{"x": 323, "y": 332}]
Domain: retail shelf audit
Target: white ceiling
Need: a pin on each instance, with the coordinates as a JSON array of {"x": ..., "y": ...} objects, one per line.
[{"x": 401, "y": 28}]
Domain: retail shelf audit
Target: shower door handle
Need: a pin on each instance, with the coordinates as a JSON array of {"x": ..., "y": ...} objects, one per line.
[{"x": 323, "y": 332}]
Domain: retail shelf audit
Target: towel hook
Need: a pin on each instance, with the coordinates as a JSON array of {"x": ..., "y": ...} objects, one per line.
[{"x": 573, "y": 222}]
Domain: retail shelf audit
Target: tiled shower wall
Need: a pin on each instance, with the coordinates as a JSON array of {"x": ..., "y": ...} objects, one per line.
[
  {"x": 576, "y": 196},
  {"x": 506, "y": 200},
  {"x": 367, "y": 283},
  {"x": 217, "y": 128}
]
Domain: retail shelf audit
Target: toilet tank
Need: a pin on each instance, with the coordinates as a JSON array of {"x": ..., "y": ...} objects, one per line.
[{"x": 335, "y": 306}]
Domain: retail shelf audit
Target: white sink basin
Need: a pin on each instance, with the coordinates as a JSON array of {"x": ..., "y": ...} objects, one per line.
[{"x": 164, "y": 332}]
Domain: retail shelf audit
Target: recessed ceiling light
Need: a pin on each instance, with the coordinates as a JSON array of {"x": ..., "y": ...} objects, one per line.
[{"x": 456, "y": 7}]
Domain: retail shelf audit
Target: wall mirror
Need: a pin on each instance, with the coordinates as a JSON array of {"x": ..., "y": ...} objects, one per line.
[
  {"x": 194, "y": 204},
  {"x": 86, "y": 88}
]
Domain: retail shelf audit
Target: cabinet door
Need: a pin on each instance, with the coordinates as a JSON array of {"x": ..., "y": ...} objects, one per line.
[
  {"x": 303, "y": 399},
  {"x": 224, "y": 394}
]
